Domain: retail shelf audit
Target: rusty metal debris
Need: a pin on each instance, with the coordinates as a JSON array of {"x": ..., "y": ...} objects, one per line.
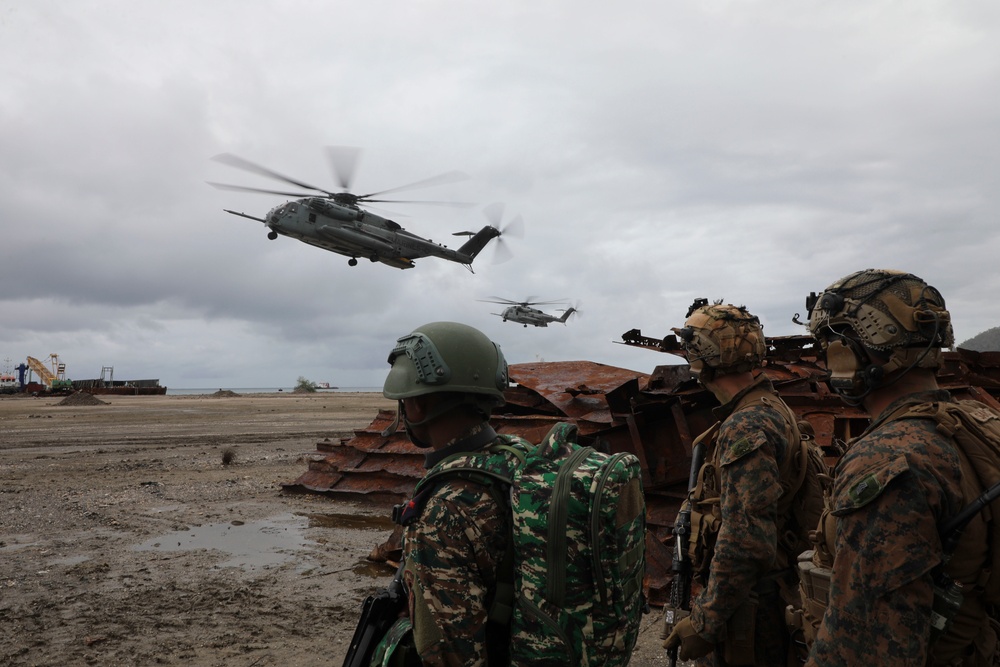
[{"x": 654, "y": 416}]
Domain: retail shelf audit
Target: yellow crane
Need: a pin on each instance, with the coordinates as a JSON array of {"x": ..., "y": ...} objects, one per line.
[{"x": 53, "y": 379}]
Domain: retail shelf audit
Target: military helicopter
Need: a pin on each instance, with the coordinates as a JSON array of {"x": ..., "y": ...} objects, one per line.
[
  {"x": 523, "y": 313},
  {"x": 336, "y": 222}
]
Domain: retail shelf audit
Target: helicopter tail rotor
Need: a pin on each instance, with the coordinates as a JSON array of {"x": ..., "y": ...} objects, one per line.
[
  {"x": 569, "y": 311},
  {"x": 513, "y": 228}
]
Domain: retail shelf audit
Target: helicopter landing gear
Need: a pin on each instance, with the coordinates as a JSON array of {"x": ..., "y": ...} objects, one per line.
[
  {"x": 374, "y": 258},
  {"x": 525, "y": 326},
  {"x": 272, "y": 235},
  {"x": 353, "y": 261}
]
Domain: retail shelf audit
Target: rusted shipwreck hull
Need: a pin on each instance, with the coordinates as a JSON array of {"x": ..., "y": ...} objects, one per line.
[{"x": 654, "y": 416}]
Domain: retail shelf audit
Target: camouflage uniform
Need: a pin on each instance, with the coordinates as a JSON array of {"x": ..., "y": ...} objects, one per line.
[
  {"x": 751, "y": 443},
  {"x": 452, "y": 552},
  {"x": 896, "y": 484}
]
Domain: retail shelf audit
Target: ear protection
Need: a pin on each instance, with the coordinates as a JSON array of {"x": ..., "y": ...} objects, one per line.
[{"x": 852, "y": 373}]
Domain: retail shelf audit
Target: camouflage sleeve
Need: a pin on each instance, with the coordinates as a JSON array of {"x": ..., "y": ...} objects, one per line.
[
  {"x": 749, "y": 492},
  {"x": 452, "y": 554},
  {"x": 891, "y": 490}
]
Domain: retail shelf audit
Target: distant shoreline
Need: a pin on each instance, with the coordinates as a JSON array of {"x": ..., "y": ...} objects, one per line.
[{"x": 207, "y": 391}]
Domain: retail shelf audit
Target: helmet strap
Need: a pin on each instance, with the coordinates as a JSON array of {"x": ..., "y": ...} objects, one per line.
[{"x": 391, "y": 428}]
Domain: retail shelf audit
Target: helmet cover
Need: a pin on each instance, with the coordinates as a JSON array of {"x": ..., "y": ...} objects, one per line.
[
  {"x": 885, "y": 309},
  {"x": 722, "y": 338}
]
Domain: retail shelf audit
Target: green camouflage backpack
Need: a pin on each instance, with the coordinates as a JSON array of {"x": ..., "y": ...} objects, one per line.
[{"x": 572, "y": 589}]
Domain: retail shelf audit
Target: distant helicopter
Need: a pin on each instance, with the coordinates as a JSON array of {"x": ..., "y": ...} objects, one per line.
[
  {"x": 336, "y": 222},
  {"x": 523, "y": 313}
]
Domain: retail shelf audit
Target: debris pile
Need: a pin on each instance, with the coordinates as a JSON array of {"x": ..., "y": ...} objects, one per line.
[
  {"x": 81, "y": 398},
  {"x": 224, "y": 393}
]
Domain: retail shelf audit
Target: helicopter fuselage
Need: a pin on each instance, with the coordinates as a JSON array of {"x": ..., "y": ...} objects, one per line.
[
  {"x": 354, "y": 232},
  {"x": 527, "y": 315}
]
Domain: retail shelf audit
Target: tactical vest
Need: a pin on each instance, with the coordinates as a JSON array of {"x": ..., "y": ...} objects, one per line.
[
  {"x": 801, "y": 501},
  {"x": 975, "y": 562}
]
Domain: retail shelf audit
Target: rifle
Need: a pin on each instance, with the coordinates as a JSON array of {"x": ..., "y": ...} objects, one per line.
[
  {"x": 680, "y": 585},
  {"x": 948, "y": 596},
  {"x": 378, "y": 613}
]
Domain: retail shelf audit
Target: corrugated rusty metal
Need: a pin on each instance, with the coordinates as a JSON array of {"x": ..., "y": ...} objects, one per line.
[{"x": 654, "y": 416}]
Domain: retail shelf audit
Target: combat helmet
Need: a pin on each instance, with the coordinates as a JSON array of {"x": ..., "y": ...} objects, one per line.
[
  {"x": 877, "y": 321},
  {"x": 720, "y": 339},
  {"x": 447, "y": 357}
]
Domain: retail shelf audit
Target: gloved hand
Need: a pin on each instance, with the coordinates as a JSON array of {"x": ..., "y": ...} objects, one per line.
[{"x": 691, "y": 644}]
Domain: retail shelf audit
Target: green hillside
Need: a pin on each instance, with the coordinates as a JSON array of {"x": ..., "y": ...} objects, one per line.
[{"x": 987, "y": 341}]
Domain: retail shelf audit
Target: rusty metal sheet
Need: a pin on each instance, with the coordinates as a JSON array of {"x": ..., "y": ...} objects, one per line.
[{"x": 575, "y": 388}]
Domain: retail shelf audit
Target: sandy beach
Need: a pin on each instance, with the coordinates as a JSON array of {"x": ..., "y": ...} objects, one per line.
[{"x": 125, "y": 539}]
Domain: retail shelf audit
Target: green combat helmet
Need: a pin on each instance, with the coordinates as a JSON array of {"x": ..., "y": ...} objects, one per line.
[
  {"x": 720, "y": 339},
  {"x": 448, "y": 357},
  {"x": 875, "y": 322}
]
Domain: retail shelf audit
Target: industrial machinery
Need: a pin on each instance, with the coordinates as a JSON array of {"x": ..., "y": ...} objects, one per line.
[{"x": 53, "y": 379}]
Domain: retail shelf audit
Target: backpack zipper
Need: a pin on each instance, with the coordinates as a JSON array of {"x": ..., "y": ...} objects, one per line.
[
  {"x": 595, "y": 524},
  {"x": 556, "y": 577}
]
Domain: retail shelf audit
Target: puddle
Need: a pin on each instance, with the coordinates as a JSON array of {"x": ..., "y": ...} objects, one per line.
[
  {"x": 166, "y": 508},
  {"x": 367, "y": 568},
  {"x": 69, "y": 560},
  {"x": 356, "y": 521},
  {"x": 6, "y": 547},
  {"x": 251, "y": 545}
]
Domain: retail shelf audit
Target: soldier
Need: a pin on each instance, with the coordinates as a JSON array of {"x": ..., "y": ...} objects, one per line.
[
  {"x": 448, "y": 377},
  {"x": 744, "y": 561},
  {"x": 899, "y": 482}
]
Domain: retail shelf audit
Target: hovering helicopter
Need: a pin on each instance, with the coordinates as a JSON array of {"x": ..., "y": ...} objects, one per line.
[
  {"x": 336, "y": 222},
  {"x": 523, "y": 313}
]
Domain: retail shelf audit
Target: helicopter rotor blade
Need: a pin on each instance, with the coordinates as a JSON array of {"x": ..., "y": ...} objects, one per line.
[
  {"x": 343, "y": 161},
  {"x": 502, "y": 252},
  {"x": 494, "y": 213},
  {"x": 246, "y": 165},
  {"x": 440, "y": 179},
  {"x": 514, "y": 228},
  {"x": 244, "y": 188},
  {"x": 542, "y": 303},
  {"x": 453, "y": 204}
]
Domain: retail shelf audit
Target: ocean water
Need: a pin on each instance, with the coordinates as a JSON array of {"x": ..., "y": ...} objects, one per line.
[{"x": 189, "y": 391}]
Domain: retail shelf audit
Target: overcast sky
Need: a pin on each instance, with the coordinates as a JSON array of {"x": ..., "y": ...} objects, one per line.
[{"x": 658, "y": 151}]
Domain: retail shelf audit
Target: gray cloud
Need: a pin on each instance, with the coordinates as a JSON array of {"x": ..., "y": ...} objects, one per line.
[{"x": 747, "y": 151}]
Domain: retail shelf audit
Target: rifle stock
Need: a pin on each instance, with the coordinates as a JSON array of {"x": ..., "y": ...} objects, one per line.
[{"x": 378, "y": 613}]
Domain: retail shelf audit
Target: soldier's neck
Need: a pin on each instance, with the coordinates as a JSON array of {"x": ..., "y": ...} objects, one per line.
[
  {"x": 725, "y": 387},
  {"x": 915, "y": 381}
]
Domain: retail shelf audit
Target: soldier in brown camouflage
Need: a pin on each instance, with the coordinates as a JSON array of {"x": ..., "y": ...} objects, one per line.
[
  {"x": 739, "y": 616},
  {"x": 882, "y": 333},
  {"x": 447, "y": 378}
]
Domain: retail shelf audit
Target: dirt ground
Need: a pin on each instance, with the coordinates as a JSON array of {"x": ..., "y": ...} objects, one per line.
[{"x": 126, "y": 540}]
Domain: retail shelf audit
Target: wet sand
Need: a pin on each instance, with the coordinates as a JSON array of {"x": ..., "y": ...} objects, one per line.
[{"x": 126, "y": 540}]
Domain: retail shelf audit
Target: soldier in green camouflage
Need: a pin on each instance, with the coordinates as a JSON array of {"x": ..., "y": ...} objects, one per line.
[
  {"x": 448, "y": 377},
  {"x": 738, "y": 618},
  {"x": 882, "y": 332}
]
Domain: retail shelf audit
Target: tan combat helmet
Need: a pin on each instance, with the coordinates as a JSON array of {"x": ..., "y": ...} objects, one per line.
[
  {"x": 875, "y": 322},
  {"x": 720, "y": 339}
]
